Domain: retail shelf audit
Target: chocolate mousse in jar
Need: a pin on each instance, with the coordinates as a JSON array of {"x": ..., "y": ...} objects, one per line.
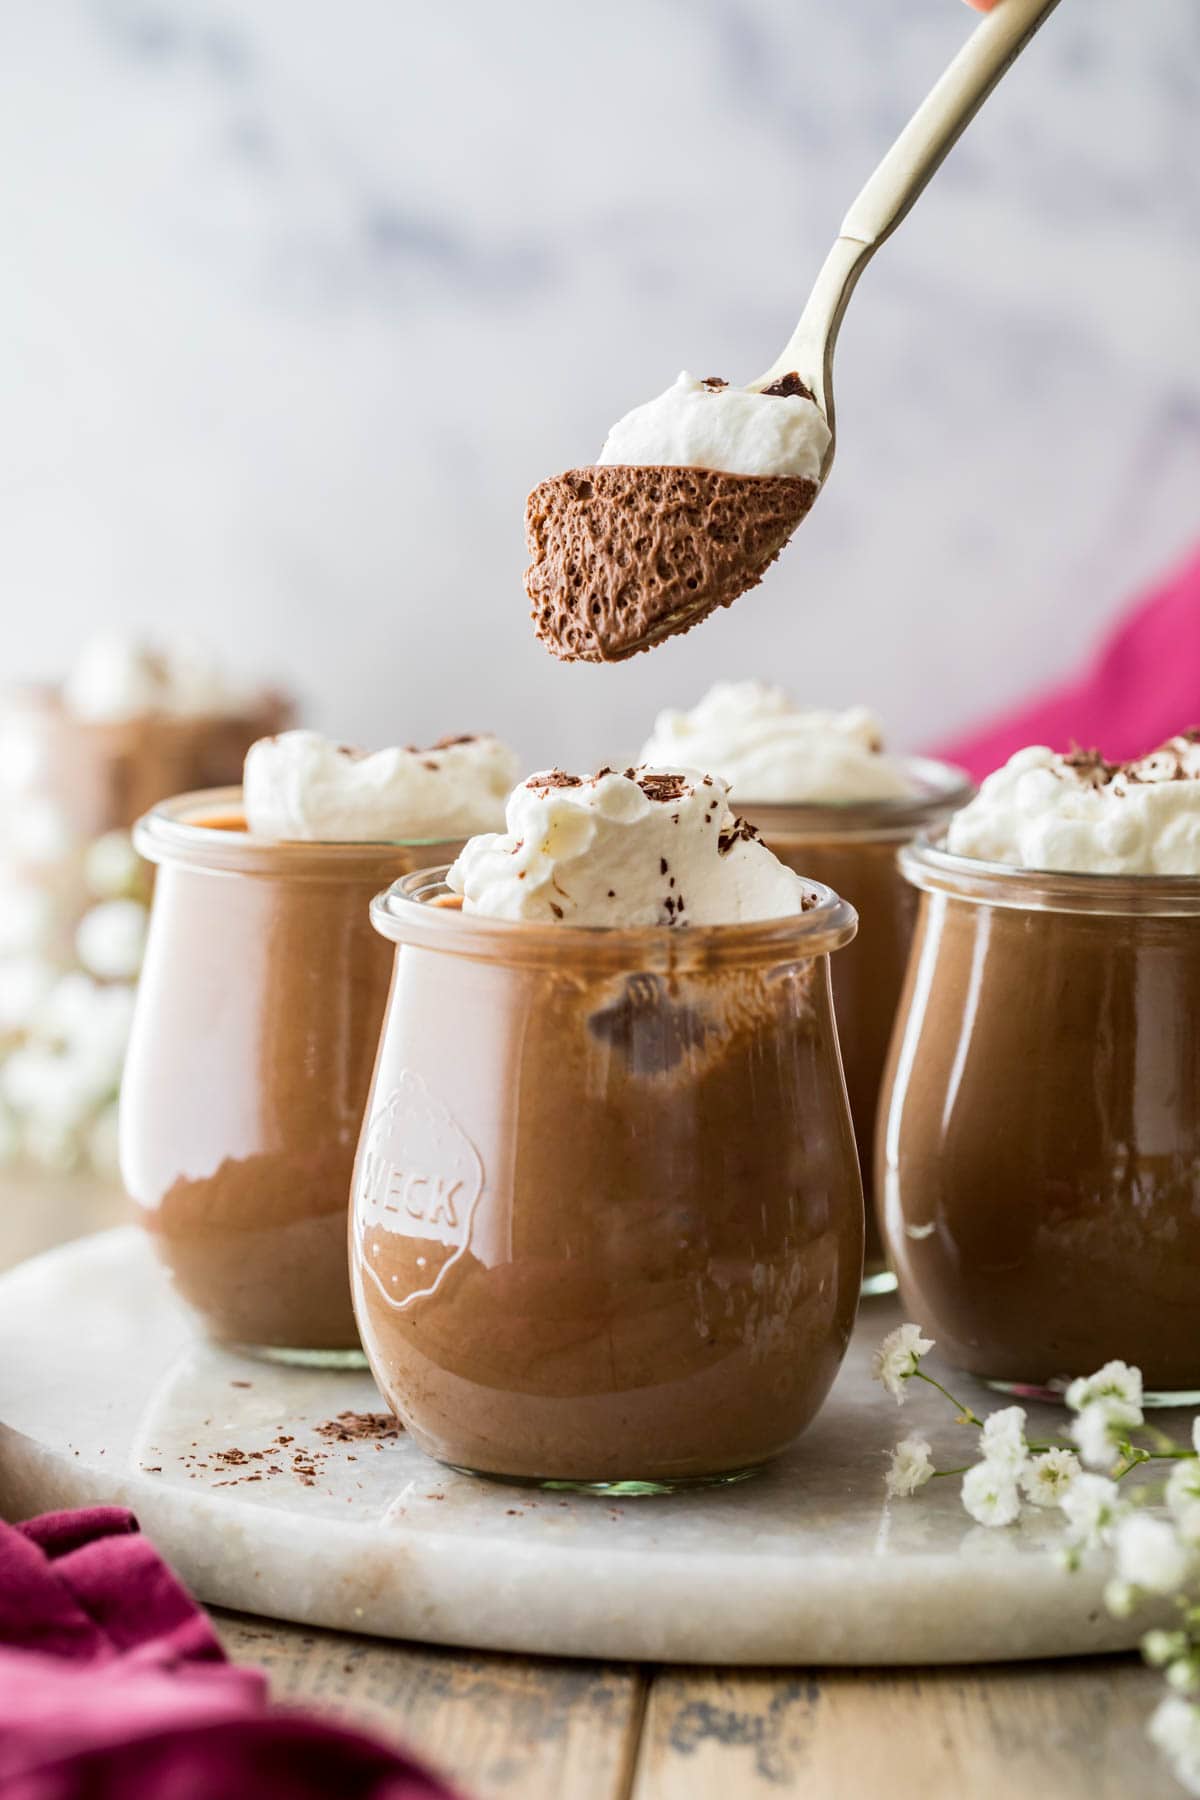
[
  {"x": 607, "y": 1220},
  {"x": 128, "y": 726},
  {"x": 1039, "y": 1149},
  {"x": 833, "y": 805},
  {"x": 258, "y": 1017}
]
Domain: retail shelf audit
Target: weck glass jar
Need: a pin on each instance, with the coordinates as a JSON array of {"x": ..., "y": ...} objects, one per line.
[
  {"x": 1039, "y": 1147},
  {"x": 851, "y": 847},
  {"x": 607, "y": 1217},
  {"x": 255, "y": 1029}
]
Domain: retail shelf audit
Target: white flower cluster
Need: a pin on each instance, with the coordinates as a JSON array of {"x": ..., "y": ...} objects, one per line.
[
  {"x": 1153, "y": 1553},
  {"x": 73, "y": 923}
]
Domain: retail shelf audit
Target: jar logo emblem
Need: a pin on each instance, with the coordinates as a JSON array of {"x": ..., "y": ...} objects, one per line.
[{"x": 420, "y": 1177}]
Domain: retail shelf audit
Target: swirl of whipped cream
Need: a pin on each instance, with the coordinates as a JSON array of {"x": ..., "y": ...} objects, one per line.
[
  {"x": 710, "y": 425},
  {"x": 1079, "y": 813},
  {"x": 769, "y": 750},
  {"x": 300, "y": 785},
  {"x": 649, "y": 847}
]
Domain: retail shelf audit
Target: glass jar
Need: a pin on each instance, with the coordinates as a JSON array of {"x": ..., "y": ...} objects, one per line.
[
  {"x": 852, "y": 849},
  {"x": 1039, "y": 1150},
  {"x": 255, "y": 1030},
  {"x": 607, "y": 1219}
]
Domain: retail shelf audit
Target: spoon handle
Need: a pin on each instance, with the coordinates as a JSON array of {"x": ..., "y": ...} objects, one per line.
[{"x": 901, "y": 177}]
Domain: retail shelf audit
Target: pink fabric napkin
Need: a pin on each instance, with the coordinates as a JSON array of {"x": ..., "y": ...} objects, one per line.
[
  {"x": 1141, "y": 686},
  {"x": 113, "y": 1686}
]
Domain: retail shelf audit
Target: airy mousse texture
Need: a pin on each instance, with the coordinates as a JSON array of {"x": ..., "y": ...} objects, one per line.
[
  {"x": 804, "y": 777},
  {"x": 607, "y": 1220},
  {"x": 646, "y": 847},
  {"x": 1081, "y": 813},
  {"x": 1038, "y": 1162},
  {"x": 768, "y": 749},
  {"x": 694, "y": 496},
  {"x": 257, "y": 1023},
  {"x": 302, "y": 786}
]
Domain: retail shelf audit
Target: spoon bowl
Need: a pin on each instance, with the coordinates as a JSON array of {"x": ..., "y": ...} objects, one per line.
[{"x": 625, "y": 556}]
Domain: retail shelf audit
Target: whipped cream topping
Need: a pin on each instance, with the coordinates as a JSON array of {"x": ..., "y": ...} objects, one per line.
[
  {"x": 648, "y": 847},
  {"x": 1080, "y": 813},
  {"x": 710, "y": 425},
  {"x": 117, "y": 678},
  {"x": 769, "y": 750},
  {"x": 300, "y": 785}
]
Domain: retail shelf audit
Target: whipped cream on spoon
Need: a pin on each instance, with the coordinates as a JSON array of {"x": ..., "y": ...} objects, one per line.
[{"x": 669, "y": 525}]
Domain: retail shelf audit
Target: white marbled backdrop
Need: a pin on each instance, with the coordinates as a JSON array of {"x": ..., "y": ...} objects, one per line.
[{"x": 297, "y": 299}]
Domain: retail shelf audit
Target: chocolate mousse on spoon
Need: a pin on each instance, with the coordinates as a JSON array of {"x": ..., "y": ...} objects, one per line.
[{"x": 696, "y": 493}]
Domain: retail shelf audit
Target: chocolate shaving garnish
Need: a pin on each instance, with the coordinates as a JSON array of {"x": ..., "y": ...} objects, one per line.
[
  {"x": 554, "y": 778},
  {"x": 448, "y": 743},
  {"x": 714, "y": 383},
  {"x": 741, "y": 831},
  {"x": 354, "y": 1427},
  {"x": 661, "y": 787},
  {"x": 788, "y": 386}
]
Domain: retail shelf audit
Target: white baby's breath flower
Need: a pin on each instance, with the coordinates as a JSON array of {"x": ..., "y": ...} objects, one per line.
[
  {"x": 1115, "y": 1381},
  {"x": 1175, "y": 1730},
  {"x": 112, "y": 867},
  {"x": 1161, "y": 1647},
  {"x": 1183, "y": 1675},
  {"x": 897, "y": 1358},
  {"x": 990, "y": 1494},
  {"x": 111, "y": 939},
  {"x": 1092, "y": 1505},
  {"x": 24, "y": 983},
  {"x": 1149, "y": 1554},
  {"x": 1047, "y": 1476},
  {"x": 910, "y": 1467},
  {"x": 1003, "y": 1438},
  {"x": 1099, "y": 1428},
  {"x": 28, "y": 919},
  {"x": 1183, "y": 1486},
  {"x": 1121, "y": 1598}
]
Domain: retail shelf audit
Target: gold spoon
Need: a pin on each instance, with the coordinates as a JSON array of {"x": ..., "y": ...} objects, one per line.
[{"x": 625, "y": 556}]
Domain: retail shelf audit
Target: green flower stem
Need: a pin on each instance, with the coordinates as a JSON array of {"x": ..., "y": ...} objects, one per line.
[{"x": 966, "y": 1416}]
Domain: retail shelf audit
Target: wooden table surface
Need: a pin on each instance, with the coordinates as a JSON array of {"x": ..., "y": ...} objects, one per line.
[{"x": 542, "y": 1728}]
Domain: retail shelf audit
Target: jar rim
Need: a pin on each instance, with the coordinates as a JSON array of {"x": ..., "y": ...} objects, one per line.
[
  {"x": 405, "y": 913},
  {"x": 942, "y": 788},
  {"x": 929, "y": 866},
  {"x": 174, "y": 831}
]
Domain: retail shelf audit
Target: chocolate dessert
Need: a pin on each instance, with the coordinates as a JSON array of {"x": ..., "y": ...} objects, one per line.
[
  {"x": 105, "y": 773},
  {"x": 1040, "y": 1133},
  {"x": 867, "y": 977},
  {"x": 624, "y": 557},
  {"x": 607, "y": 1220},
  {"x": 260, "y": 1006}
]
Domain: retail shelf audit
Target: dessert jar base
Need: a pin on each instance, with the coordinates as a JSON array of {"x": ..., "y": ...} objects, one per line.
[
  {"x": 301, "y": 1359},
  {"x": 631, "y": 1488}
]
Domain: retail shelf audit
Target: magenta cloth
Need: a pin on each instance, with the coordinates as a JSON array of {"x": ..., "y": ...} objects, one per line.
[
  {"x": 113, "y": 1686},
  {"x": 1140, "y": 687}
]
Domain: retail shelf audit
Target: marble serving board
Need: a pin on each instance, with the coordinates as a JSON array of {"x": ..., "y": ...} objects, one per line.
[{"x": 108, "y": 1395}]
